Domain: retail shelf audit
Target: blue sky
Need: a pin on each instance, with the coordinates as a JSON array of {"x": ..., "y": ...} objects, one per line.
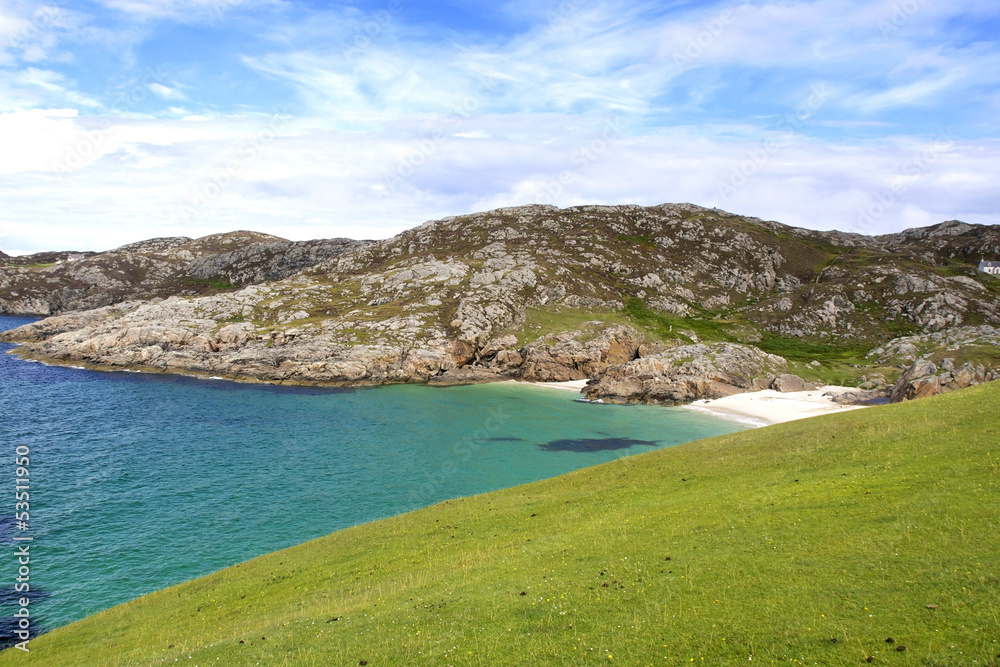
[{"x": 125, "y": 119}]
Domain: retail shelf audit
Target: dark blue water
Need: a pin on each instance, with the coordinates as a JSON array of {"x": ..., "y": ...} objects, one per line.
[{"x": 142, "y": 481}]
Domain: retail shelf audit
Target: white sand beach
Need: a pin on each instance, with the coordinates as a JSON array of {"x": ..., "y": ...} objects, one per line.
[
  {"x": 763, "y": 408},
  {"x": 572, "y": 385},
  {"x": 756, "y": 408}
]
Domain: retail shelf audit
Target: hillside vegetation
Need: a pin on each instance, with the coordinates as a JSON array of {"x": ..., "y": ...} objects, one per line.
[{"x": 867, "y": 536}]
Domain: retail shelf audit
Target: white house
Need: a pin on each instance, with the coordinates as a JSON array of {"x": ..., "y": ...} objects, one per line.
[{"x": 992, "y": 268}]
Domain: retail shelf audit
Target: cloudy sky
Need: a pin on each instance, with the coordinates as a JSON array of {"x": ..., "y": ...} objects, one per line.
[{"x": 128, "y": 119}]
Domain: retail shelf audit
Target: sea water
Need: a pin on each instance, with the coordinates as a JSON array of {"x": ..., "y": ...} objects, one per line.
[{"x": 140, "y": 481}]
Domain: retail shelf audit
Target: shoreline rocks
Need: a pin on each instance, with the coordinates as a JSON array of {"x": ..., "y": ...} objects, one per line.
[
  {"x": 621, "y": 365},
  {"x": 688, "y": 373},
  {"x": 922, "y": 379}
]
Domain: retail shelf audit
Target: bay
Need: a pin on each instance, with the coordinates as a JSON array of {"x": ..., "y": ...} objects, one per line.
[{"x": 140, "y": 481}]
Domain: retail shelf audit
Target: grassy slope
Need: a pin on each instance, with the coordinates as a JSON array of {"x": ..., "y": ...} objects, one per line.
[{"x": 810, "y": 542}]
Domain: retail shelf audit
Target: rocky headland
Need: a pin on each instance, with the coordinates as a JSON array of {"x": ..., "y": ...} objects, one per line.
[
  {"x": 49, "y": 283},
  {"x": 664, "y": 304}
]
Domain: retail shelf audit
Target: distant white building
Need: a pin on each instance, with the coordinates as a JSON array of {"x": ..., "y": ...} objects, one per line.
[{"x": 992, "y": 268}]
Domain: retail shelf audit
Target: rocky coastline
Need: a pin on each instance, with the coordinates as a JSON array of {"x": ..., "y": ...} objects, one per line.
[
  {"x": 617, "y": 367},
  {"x": 659, "y": 305}
]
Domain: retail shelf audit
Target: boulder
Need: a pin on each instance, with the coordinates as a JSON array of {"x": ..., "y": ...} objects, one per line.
[
  {"x": 496, "y": 345},
  {"x": 966, "y": 376},
  {"x": 858, "y": 396},
  {"x": 462, "y": 352},
  {"x": 922, "y": 368},
  {"x": 922, "y": 379},
  {"x": 540, "y": 366},
  {"x": 788, "y": 383},
  {"x": 924, "y": 387},
  {"x": 467, "y": 375}
]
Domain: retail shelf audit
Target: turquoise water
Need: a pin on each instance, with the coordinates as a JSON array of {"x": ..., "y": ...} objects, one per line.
[{"x": 142, "y": 481}]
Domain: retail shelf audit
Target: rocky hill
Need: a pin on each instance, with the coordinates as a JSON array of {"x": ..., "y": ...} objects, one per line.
[
  {"x": 41, "y": 259},
  {"x": 948, "y": 242},
  {"x": 655, "y": 304},
  {"x": 55, "y": 282}
]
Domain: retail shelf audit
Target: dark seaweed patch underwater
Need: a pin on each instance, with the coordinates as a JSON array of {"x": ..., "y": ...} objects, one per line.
[{"x": 594, "y": 444}]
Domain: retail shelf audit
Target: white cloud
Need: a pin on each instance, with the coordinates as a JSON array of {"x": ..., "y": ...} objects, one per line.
[
  {"x": 908, "y": 95},
  {"x": 39, "y": 88},
  {"x": 54, "y": 85},
  {"x": 632, "y": 58},
  {"x": 33, "y": 138},
  {"x": 165, "y": 92},
  {"x": 300, "y": 179},
  {"x": 32, "y": 33},
  {"x": 597, "y": 57}
]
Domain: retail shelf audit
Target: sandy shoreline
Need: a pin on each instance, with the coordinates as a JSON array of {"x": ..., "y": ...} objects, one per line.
[
  {"x": 763, "y": 408},
  {"x": 757, "y": 408}
]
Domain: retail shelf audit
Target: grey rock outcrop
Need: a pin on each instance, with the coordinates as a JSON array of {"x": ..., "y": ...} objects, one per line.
[
  {"x": 860, "y": 396},
  {"x": 908, "y": 349},
  {"x": 466, "y": 375},
  {"x": 52, "y": 283},
  {"x": 684, "y": 374},
  {"x": 922, "y": 379},
  {"x": 786, "y": 383},
  {"x": 563, "y": 357},
  {"x": 263, "y": 262}
]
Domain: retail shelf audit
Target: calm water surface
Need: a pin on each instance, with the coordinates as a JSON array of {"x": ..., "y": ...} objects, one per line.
[{"x": 140, "y": 481}]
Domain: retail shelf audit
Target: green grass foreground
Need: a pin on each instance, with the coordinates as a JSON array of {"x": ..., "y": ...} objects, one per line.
[{"x": 818, "y": 542}]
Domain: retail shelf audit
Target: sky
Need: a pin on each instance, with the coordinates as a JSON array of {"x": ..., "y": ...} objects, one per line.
[{"x": 129, "y": 119}]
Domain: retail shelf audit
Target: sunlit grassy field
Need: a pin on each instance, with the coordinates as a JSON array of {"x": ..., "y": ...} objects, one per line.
[{"x": 864, "y": 537}]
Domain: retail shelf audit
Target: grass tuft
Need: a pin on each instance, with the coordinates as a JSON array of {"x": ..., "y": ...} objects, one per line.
[
  {"x": 795, "y": 349},
  {"x": 669, "y": 327}
]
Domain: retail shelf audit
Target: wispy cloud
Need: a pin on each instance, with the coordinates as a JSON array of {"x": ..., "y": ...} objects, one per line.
[
  {"x": 623, "y": 57},
  {"x": 166, "y": 92},
  {"x": 34, "y": 87},
  {"x": 186, "y": 11},
  {"x": 489, "y": 105}
]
